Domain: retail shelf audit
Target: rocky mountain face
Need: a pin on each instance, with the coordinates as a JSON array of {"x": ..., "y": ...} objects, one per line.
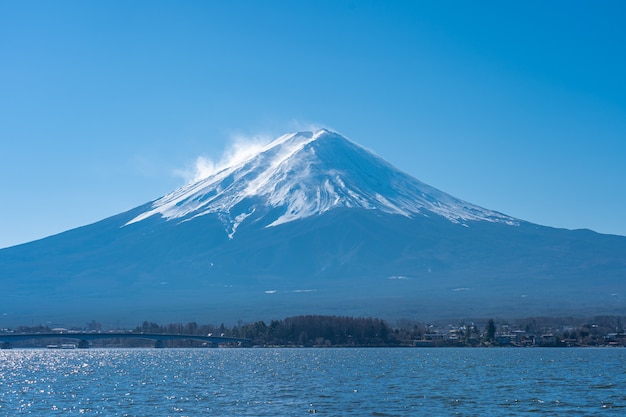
[{"x": 311, "y": 224}]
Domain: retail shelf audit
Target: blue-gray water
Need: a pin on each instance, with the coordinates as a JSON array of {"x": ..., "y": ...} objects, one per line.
[{"x": 297, "y": 382}]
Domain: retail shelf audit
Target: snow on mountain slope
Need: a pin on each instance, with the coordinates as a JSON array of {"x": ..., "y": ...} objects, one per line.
[{"x": 309, "y": 173}]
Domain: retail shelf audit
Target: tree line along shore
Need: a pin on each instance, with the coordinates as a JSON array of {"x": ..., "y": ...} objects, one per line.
[{"x": 340, "y": 331}]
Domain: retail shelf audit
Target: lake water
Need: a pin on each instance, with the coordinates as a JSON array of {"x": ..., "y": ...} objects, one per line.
[{"x": 298, "y": 382}]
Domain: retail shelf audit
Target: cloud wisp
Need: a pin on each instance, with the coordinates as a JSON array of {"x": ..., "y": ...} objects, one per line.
[{"x": 239, "y": 149}]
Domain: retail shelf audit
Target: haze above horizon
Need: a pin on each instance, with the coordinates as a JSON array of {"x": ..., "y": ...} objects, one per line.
[{"x": 518, "y": 108}]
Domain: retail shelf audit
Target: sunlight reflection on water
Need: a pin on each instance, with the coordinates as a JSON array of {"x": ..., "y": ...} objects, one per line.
[{"x": 264, "y": 382}]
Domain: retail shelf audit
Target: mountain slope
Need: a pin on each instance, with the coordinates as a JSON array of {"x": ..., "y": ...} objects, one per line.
[{"x": 313, "y": 224}]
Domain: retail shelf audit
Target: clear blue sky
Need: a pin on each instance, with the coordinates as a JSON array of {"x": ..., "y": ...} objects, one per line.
[{"x": 516, "y": 106}]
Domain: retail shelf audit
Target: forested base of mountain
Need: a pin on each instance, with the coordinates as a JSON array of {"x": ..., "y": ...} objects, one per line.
[{"x": 338, "y": 331}]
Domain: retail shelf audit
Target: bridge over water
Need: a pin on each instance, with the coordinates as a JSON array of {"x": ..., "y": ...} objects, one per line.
[{"x": 83, "y": 338}]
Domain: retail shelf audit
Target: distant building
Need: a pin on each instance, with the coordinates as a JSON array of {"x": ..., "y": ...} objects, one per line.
[{"x": 94, "y": 326}]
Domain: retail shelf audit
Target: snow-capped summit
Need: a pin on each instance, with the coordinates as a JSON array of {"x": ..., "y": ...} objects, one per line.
[{"x": 303, "y": 174}]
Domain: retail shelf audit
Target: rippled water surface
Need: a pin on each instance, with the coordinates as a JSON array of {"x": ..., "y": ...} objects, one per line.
[{"x": 292, "y": 382}]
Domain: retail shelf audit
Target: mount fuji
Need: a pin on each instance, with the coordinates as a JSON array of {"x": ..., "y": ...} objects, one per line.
[{"x": 310, "y": 224}]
